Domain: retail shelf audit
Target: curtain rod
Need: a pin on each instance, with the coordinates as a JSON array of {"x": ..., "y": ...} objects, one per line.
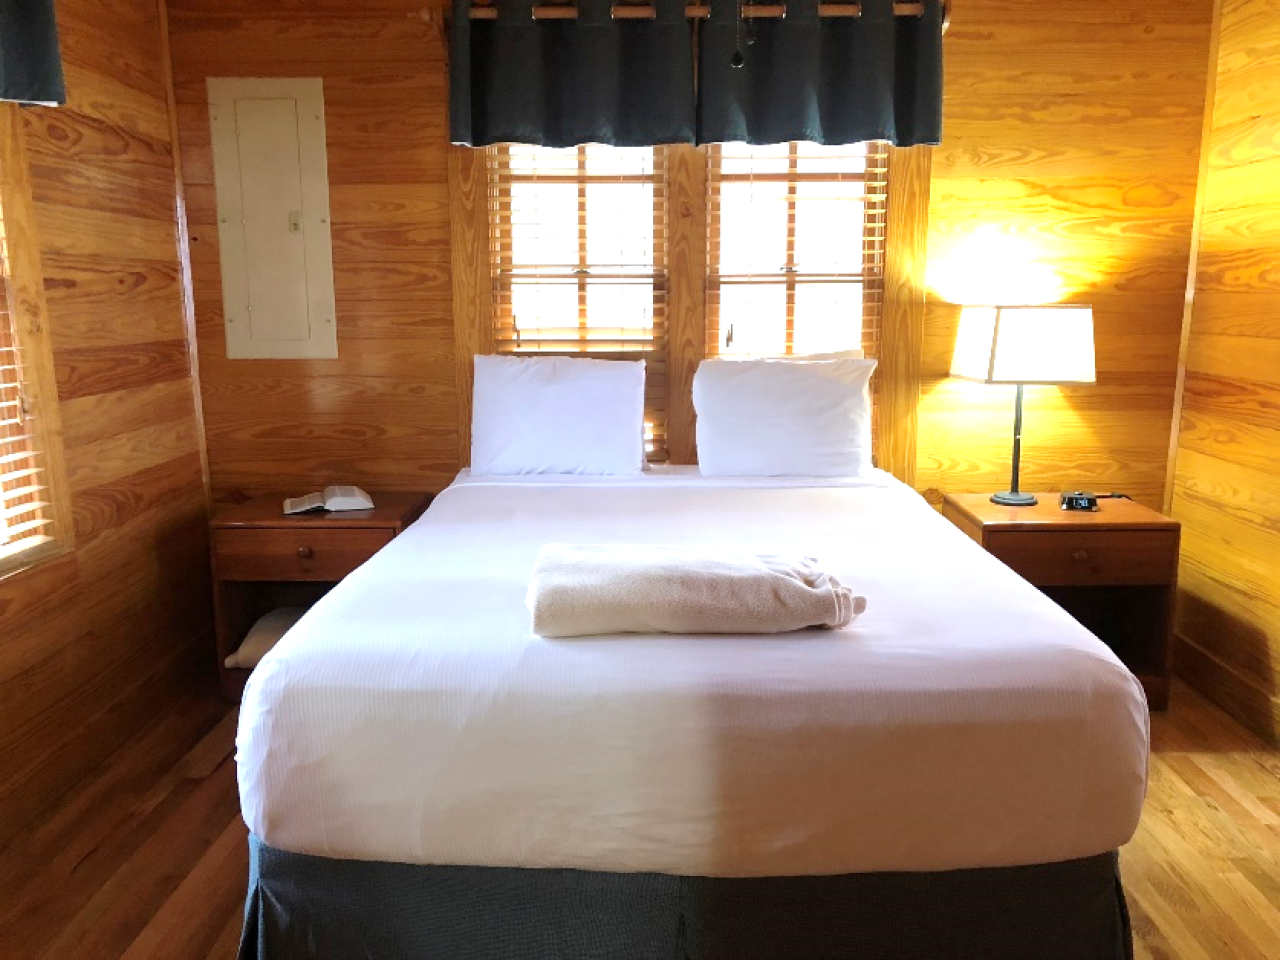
[{"x": 483, "y": 10}]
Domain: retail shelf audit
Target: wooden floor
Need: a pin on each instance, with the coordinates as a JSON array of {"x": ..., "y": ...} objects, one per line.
[{"x": 148, "y": 857}]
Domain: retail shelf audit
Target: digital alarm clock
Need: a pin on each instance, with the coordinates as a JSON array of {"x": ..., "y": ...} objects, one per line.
[{"x": 1078, "y": 500}]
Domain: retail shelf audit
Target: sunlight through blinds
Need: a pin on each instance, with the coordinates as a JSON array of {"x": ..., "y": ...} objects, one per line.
[{"x": 796, "y": 242}]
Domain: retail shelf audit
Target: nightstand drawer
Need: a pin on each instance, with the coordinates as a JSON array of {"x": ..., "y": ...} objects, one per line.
[
  {"x": 1084, "y": 558},
  {"x": 295, "y": 553}
]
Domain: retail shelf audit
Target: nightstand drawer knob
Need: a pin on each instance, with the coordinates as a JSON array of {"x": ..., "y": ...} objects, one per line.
[
  {"x": 305, "y": 553},
  {"x": 1080, "y": 555}
]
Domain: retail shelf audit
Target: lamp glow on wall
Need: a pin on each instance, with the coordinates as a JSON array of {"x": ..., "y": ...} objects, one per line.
[{"x": 1024, "y": 345}]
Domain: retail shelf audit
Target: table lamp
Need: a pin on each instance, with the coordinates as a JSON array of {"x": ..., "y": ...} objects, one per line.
[{"x": 1021, "y": 345}]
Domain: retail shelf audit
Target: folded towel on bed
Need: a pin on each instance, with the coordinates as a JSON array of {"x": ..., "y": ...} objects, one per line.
[{"x": 581, "y": 590}]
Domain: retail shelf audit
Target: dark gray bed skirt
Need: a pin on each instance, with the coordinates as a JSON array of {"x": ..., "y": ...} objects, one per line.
[{"x": 305, "y": 906}]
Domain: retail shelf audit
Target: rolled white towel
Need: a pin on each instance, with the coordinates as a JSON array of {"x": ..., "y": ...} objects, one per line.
[{"x": 583, "y": 590}]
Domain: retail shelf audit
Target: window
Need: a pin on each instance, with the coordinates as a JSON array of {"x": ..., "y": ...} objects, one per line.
[
  {"x": 582, "y": 243},
  {"x": 578, "y": 253},
  {"x": 796, "y": 241},
  {"x": 27, "y": 524}
]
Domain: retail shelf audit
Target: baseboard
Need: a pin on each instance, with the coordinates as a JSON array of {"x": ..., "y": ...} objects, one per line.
[{"x": 1256, "y": 708}]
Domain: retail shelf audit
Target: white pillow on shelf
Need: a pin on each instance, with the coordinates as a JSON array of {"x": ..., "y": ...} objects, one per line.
[
  {"x": 264, "y": 635},
  {"x": 784, "y": 418},
  {"x": 557, "y": 415}
]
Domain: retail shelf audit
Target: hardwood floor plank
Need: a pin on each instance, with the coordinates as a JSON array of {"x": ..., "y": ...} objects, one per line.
[
  {"x": 207, "y": 755},
  {"x": 96, "y": 809},
  {"x": 195, "y": 916},
  {"x": 61, "y": 753},
  {"x": 1263, "y": 879},
  {"x": 229, "y": 940},
  {"x": 1146, "y": 889},
  {"x": 53, "y": 868},
  {"x": 1201, "y": 870},
  {"x": 181, "y": 829}
]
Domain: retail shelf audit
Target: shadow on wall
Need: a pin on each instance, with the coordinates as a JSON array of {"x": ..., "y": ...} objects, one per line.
[{"x": 183, "y": 544}]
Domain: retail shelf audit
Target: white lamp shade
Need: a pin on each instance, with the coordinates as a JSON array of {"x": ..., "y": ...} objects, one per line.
[{"x": 1052, "y": 344}]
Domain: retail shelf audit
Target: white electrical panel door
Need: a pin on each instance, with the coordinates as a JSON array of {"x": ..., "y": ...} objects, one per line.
[{"x": 272, "y": 178}]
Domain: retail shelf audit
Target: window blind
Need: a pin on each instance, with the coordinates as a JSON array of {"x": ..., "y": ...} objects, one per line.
[
  {"x": 796, "y": 248},
  {"x": 796, "y": 241},
  {"x": 25, "y": 519},
  {"x": 578, "y": 254}
]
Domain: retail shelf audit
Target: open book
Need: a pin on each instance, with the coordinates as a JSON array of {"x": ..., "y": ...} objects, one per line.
[{"x": 333, "y": 498}]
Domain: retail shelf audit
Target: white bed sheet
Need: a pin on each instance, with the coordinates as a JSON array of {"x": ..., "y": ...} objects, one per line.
[{"x": 962, "y": 721}]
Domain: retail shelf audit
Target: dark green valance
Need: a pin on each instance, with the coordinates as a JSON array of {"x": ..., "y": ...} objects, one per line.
[
  {"x": 559, "y": 83},
  {"x": 30, "y": 67},
  {"x": 562, "y": 82},
  {"x": 825, "y": 79}
]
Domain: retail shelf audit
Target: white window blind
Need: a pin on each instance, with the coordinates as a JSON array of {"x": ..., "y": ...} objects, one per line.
[
  {"x": 578, "y": 258},
  {"x": 796, "y": 246},
  {"x": 25, "y": 520}
]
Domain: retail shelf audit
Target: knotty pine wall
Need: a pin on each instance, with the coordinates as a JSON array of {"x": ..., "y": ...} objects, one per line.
[
  {"x": 1070, "y": 140},
  {"x": 91, "y": 642},
  {"x": 384, "y": 414},
  {"x": 1073, "y": 129},
  {"x": 1226, "y": 488}
]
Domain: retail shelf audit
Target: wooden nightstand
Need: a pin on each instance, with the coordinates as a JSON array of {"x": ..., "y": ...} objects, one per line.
[
  {"x": 1114, "y": 570},
  {"x": 263, "y": 559}
]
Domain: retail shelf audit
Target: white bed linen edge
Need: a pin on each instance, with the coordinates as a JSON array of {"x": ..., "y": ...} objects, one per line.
[{"x": 963, "y": 721}]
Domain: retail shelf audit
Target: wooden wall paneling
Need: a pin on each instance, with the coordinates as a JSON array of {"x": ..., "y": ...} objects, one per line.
[
  {"x": 385, "y": 413},
  {"x": 94, "y": 642},
  {"x": 686, "y": 297},
  {"x": 903, "y": 322},
  {"x": 1227, "y": 453},
  {"x": 103, "y": 662},
  {"x": 1073, "y": 134},
  {"x": 472, "y": 286}
]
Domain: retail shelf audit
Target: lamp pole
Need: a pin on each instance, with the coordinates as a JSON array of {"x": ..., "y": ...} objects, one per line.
[
  {"x": 1014, "y": 497},
  {"x": 1017, "y": 440}
]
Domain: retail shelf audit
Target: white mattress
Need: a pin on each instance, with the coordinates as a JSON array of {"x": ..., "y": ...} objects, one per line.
[{"x": 964, "y": 720}]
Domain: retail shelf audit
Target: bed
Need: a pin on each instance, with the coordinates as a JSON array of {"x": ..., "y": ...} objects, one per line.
[{"x": 950, "y": 775}]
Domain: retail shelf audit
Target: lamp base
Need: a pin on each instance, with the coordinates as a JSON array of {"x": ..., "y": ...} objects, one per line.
[{"x": 1008, "y": 499}]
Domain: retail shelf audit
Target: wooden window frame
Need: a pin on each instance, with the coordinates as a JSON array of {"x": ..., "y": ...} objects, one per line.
[{"x": 28, "y": 315}]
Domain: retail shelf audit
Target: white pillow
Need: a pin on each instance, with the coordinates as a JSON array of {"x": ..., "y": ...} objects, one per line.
[
  {"x": 557, "y": 415},
  {"x": 263, "y": 635},
  {"x": 783, "y": 418}
]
